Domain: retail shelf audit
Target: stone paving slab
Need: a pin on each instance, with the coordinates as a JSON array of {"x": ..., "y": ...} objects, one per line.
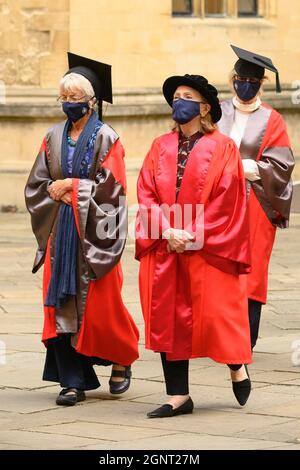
[
  {"x": 29, "y": 440},
  {"x": 30, "y": 419},
  {"x": 207, "y": 420},
  {"x": 24, "y": 342},
  {"x": 24, "y": 401},
  {"x": 264, "y": 402},
  {"x": 190, "y": 441},
  {"x": 277, "y": 345},
  {"x": 20, "y": 324},
  {"x": 287, "y": 432},
  {"x": 277, "y": 362},
  {"x": 102, "y": 431}
]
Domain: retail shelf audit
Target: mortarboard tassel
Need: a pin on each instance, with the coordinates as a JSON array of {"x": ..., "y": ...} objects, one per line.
[
  {"x": 100, "y": 112},
  {"x": 278, "y": 87}
]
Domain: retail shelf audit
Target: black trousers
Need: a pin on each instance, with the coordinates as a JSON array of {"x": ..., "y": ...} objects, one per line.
[
  {"x": 176, "y": 375},
  {"x": 254, "y": 312},
  {"x": 176, "y": 372},
  {"x": 69, "y": 368}
]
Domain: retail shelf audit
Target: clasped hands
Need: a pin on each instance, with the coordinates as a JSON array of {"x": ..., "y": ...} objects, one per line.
[
  {"x": 61, "y": 190},
  {"x": 177, "y": 239}
]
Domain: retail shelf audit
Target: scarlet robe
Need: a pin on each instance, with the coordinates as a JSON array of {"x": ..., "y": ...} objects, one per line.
[
  {"x": 266, "y": 141},
  {"x": 195, "y": 303},
  {"x": 100, "y": 324}
]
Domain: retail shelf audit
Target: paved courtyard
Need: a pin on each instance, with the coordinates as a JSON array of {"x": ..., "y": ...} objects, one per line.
[{"x": 30, "y": 419}]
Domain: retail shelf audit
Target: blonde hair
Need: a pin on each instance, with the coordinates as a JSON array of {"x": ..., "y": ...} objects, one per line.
[
  {"x": 207, "y": 126},
  {"x": 73, "y": 82}
]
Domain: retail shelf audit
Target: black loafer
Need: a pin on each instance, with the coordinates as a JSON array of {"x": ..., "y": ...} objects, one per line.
[
  {"x": 167, "y": 411},
  {"x": 120, "y": 387},
  {"x": 70, "y": 400},
  {"x": 242, "y": 389}
]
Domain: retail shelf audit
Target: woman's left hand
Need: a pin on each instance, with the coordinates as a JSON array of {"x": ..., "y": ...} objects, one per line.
[
  {"x": 67, "y": 198},
  {"x": 59, "y": 187}
]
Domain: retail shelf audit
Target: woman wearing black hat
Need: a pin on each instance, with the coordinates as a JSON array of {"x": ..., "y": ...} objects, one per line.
[
  {"x": 192, "y": 242},
  {"x": 76, "y": 197},
  {"x": 260, "y": 133}
]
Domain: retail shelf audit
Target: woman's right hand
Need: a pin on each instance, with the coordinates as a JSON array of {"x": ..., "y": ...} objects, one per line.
[{"x": 177, "y": 239}]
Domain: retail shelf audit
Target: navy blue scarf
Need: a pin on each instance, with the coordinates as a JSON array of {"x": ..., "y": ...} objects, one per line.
[{"x": 63, "y": 282}]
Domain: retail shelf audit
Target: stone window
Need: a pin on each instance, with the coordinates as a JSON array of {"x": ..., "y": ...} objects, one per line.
[
  {"x": 215, "y": 8},
  {"x": 220, "y": 8},
  {"x": 247, "y": 8},
  {"x": 182, "y": 7}
]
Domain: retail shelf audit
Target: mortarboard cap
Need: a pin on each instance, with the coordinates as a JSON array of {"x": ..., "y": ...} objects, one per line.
[
  {"x": 97, "y": 73},
  {"x": 254, "y": 65}
]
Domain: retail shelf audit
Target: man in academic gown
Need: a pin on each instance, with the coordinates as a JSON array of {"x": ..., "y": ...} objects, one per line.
[{"x": 260, "y": 133}]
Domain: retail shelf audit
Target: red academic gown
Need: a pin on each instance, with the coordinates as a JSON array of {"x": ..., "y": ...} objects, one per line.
[
  {"x": 266, "y": 141},
  {"x": 195, "y": 304},
  {"x": 97, "y": 318}
]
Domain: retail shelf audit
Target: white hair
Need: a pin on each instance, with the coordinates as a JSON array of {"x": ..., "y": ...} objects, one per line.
[{"x": 74, "y": 82}]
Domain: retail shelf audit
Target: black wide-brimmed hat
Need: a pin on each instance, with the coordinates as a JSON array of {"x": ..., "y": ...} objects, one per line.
[{"x": 199, "y": 83}]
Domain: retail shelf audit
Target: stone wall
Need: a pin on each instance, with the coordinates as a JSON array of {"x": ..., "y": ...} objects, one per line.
[
  {"x": 140, "y": 38},
  {"x": 138, "y": 117},
  {"x": 34, "y": 37},
  {"x": 144, "y": 44}
]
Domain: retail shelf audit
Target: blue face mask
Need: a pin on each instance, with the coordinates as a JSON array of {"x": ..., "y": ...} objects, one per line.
[
  {"x": 75, "y": 111},
  {"x": 185, "y": 110},
  {"x": 246, "y": 91}
]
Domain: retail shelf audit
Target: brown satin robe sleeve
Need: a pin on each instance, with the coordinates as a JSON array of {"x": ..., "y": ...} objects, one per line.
[
  {"x": 275, "y": 169},
  {"x": 101, "y": 213},
  {"x": 42, "y": 209}
]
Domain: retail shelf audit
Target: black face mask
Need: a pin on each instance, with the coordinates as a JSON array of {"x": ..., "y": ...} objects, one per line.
[
  {"x": 246, "y": 91},
  {"x": 75, "y": 111}
]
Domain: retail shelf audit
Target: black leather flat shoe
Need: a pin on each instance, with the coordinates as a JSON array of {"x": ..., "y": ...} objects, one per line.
[
  {"x": 70, "y": 400},
  {"x": 166, "y": 411},
  {"x": 120, "y": 387},
  {"x": 242, "y": 389}
]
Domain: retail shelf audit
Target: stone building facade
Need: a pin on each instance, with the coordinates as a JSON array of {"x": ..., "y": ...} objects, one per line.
[{"x": 145, "y": 41}]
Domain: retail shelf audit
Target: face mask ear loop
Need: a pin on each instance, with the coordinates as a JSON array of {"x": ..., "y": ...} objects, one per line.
[{"x": 91, "y": 106}]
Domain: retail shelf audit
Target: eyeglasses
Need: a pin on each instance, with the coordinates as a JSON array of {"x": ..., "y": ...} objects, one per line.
[
  {"x": 247, "y": 79},
  {"x": 70, "y": 99}
]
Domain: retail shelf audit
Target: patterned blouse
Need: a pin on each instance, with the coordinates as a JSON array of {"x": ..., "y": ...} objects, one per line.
[{"x": 185, "y": 147}]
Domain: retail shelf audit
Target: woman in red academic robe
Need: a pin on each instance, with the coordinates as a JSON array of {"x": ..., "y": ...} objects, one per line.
[
  {"x": 260, "y": 133},
  {"x": 76, "y": 197},
  {"x": 192, "y": 242}
]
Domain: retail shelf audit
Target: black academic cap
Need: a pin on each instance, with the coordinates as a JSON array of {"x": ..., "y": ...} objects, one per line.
[
  {"x": 97, "y": 73},
  {"x": 254, "y": 65}
]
